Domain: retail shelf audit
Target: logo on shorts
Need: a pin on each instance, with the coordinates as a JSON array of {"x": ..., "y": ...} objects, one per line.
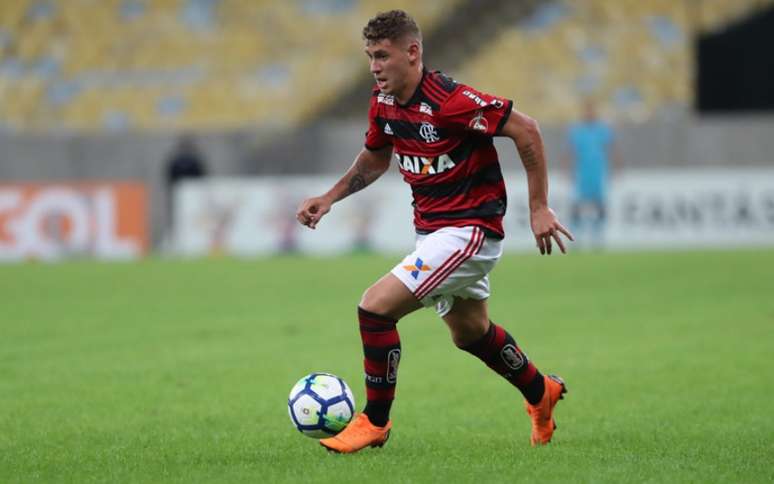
[
  {"x": 418, "y": 267},
  {"x": 512, "y": 357},
  {"x": 393, "y": 358}
]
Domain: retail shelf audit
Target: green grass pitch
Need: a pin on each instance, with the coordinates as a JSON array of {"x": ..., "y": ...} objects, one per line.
[{"x": 171, "y": 371}]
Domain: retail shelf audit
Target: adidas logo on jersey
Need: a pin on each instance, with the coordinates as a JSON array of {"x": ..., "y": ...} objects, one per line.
[
  {"x": 420, "y": 165},
  {"x": 425, "y": 108},
  {"x": 387, "y": 129}
]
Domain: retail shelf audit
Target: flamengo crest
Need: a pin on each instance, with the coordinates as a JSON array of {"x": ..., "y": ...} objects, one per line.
[{"x": 428, "y": 132}]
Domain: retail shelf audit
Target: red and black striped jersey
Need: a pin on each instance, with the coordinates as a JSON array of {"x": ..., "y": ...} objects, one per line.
[{"x": 442, "y": 140}]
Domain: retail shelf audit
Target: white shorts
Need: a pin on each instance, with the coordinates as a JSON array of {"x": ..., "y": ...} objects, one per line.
[{"x": 453, "y": 261}]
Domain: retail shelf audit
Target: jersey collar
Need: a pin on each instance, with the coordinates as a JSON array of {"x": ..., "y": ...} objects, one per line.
[{"x": 417, "y": 96}]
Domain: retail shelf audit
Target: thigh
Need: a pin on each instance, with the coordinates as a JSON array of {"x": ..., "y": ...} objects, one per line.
[
  {"x": 447, "y": 261},
  {"x": 468, "y": 320},
  {"x": 389, "y": 297}
]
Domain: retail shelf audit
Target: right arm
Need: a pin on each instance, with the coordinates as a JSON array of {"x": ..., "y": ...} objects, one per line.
[
  {"x": 368, "y": 166},
  {"x": 525, "y": 133}
]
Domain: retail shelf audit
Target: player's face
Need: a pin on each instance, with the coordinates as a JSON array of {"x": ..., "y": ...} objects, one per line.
[{"x": 390, "y": 63}]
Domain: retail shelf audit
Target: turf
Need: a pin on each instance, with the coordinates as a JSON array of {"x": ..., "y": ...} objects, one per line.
[{"x": 174, "y": 371}]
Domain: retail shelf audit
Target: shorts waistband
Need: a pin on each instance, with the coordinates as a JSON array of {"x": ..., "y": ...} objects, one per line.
[{"x": 489, "y": 233}]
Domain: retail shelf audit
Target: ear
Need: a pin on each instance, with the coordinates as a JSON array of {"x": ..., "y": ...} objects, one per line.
[{"x": 414, "y": 51}]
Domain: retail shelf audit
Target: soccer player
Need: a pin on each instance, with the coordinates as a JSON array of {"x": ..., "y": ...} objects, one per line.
[{"x": 441, "y": 133}]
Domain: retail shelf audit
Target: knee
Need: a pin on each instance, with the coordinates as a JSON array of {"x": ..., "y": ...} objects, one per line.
[
  {"x": 373, "y": 301},
  {"x": 389, "y": 297},
  {"x": 461, "y": 341},
  {"x": 467, "y": 335}
]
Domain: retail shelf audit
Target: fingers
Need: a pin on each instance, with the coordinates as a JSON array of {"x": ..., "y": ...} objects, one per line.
[
  {"x": 540, "y": 244},
  {"x": 559, "y": 242},
  {"x": 311, "y": 211},
  {"x": 548, "y": 241},
  {"x": 313, "y": 222},
  {"x": 545, "y": 244},
  {"x": 309, "y": 220},
  {"x": 566, "y": 232},
  {"x": 305, "y": 215},
  {"x": 559, "y": 228}
]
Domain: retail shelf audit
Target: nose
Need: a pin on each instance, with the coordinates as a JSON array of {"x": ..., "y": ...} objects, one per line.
[{"x": 376, "y": 68}]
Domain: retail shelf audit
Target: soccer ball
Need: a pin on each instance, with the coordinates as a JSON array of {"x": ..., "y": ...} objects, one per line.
[{"x": 321, "y": 405}]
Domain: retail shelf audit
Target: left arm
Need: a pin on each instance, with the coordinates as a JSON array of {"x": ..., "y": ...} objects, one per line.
[{"x": 525, "y": 133}]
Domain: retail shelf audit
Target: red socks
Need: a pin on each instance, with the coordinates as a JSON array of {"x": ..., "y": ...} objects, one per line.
[
  {"x": 381, "y": 347},
  {"x": 501, "y": 353}
]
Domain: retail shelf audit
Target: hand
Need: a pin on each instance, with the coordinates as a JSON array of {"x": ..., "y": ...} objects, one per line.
[
  {"x": 545, "y": 225},
  {"x": 312, "y": 210}
]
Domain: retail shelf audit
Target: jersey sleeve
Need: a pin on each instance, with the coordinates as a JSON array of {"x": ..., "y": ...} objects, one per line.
[
  {"x": 375, "y": 139},
  {"x": 471, "y": 110}
]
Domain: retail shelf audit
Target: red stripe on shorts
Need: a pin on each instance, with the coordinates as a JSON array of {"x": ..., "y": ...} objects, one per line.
[
  {"x": 476, "y": 241},
  {"x": 440, "y": 269},
  {"x": 443, "y": 266},
  {"x": 445, "y": 271}
]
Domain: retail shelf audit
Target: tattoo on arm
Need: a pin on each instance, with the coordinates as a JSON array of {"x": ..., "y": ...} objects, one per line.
[
  {"x": 363, "y": 172},
  {"x": 356, "y": 183},
  {"x": 529, "y": 156}
]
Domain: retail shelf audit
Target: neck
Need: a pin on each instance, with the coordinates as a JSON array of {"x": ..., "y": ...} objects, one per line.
[{"x": 412, "y": 82}]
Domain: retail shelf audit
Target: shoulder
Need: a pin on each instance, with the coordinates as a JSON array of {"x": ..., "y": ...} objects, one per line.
[
  {"x": 442, "y": 81},
  {"x": 465, "y": 99},
  {"x": 439, "y": 87}
]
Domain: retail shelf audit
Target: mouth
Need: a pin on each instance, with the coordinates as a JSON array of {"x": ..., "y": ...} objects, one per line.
[{"x": 381, "y": 82}]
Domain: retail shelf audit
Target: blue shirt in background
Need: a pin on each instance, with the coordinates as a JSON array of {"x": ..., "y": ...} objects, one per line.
[{"x": 590, "y": 143}]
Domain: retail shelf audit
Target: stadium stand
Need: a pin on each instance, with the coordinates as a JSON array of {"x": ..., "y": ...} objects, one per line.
[
  {"x": 634, "y": 58},
  {"x": 149, "y": 65},
  {"x": 94, "y": 65}
]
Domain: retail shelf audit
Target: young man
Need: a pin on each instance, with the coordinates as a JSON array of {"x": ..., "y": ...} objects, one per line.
[{"x": 441, "y": 133}]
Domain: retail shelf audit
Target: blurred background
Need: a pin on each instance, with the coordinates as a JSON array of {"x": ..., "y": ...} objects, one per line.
[{"x": 195, "y": 127}]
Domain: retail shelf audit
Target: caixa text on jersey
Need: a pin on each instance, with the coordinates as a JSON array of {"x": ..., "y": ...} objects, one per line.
[{"x": 421, "y": 165}]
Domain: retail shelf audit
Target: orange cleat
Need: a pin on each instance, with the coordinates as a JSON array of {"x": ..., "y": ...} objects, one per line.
[
  {"x": 360, "y": 433},
  {"x": 543, "y": 423}
]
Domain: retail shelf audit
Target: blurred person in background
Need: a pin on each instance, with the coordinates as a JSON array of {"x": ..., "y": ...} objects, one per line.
[
  {"x": 185, "y": 162},
  {"x": 590, "y": 150},
  {"x": 440, "y": 132}
]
